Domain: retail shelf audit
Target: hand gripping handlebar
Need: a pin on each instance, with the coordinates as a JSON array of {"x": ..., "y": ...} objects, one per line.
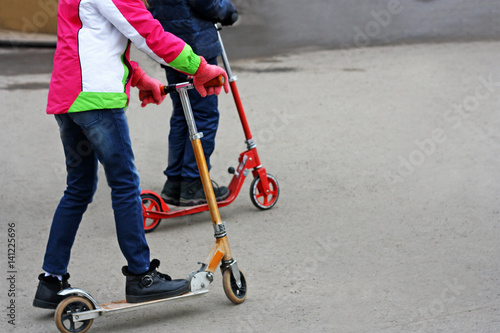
[{"x": 215, "y": 82}]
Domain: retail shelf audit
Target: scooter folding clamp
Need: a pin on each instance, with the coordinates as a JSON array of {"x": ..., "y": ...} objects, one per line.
[
  {"x": 220, "y": 230},
  {"x": 198, "y": 135},
  {"x": 200, "y": 281},
  {"x": 251, "y": 144}
]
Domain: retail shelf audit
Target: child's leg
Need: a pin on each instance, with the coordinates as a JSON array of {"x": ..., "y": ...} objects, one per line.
[
  {"x": 109, "y": 135},
  {"x": 81, "y": 165}
]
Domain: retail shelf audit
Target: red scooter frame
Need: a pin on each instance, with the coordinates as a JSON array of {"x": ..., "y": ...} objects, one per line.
[{"x": 264, "y": 190}]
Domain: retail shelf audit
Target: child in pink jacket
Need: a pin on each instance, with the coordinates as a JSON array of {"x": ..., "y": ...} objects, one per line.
[{"x": 88, "y": 94}]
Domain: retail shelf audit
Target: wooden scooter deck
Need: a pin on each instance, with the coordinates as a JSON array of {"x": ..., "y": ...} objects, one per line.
[
  {"x": 117, "y": 306},
  {"x": 123, "y": 304}
]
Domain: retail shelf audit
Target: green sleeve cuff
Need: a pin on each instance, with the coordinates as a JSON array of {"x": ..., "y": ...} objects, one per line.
[{"x": 187, "y": 61}]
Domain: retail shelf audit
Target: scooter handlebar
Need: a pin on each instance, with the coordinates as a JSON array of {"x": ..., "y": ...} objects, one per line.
[{"x": 215, "y": 82}]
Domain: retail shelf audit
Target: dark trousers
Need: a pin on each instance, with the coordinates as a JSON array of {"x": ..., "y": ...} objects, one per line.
[{"x": 181, "y": 159}]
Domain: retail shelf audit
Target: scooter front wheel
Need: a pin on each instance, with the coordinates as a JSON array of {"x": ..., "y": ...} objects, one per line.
[
  {"x": 235, "y": 294},
  {"x": 150, "y": 203},
  {"x": 64, "y": 315},
  {"x": 264, "y": 198}
]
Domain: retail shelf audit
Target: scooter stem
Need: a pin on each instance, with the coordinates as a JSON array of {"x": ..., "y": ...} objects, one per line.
[
  {"x": 206, "y": 181},
  {"x": 236, "y": 95},
  {"x": 195, "y": 137},
  {"x": 225, "y": 60},
  {"x": 221, "y": 250}
]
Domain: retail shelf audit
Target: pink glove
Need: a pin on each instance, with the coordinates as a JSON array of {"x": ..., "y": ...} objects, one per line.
[
  {"x": 205, "y": 73},
  {"x": 144, "y": 82}
]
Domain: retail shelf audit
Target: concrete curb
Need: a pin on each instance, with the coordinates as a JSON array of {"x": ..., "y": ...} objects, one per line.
[{"x": 12, "y": 38}]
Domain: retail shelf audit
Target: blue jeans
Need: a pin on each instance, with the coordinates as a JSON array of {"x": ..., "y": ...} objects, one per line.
[
  {"x": 90, "y": 137},
  {"x": 181, "y": 160}
]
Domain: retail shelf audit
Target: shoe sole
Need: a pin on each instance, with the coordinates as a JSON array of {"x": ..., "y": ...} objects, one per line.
[
  {"x": 154, "y": 297},
  {"x": 192, "y": 202},
  {"x": 185, "y": 203},
  {"x": 170, "y": 200},
  {"x": 196, "y": 202},
  {"x": 44, "y": 304}
]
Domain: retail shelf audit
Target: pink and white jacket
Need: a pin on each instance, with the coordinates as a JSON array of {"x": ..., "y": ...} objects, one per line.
[{"x": 92, "y": 67}]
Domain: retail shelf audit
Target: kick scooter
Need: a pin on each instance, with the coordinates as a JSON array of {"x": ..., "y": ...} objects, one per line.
[
  {"x": 264, "y": 189},
  {"x": 77, "y": 312}
]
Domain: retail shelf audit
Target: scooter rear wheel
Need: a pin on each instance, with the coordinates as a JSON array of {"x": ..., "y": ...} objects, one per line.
[
  {"x": 262, "y": 198},
  {"x": 235, "y": 294},
  {"x": 152, "y": 204},
  {"x": 64, "y": 315}
]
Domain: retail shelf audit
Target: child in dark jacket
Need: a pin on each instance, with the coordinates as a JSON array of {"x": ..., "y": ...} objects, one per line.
[{"x": 193, "y": 21}]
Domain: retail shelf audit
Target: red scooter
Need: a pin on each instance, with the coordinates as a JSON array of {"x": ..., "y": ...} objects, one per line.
[{"x": 264, "y": 189}]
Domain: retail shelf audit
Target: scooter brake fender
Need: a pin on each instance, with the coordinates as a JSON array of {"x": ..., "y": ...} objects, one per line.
[{"x": 79, "y": 292}]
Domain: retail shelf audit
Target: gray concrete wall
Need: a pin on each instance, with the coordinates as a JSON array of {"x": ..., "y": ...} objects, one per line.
[{"x": 268, "y": 27}]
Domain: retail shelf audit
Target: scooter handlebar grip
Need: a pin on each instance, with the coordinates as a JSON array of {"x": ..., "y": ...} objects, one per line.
[
  {"x": 146, "y": 93},
  {"x": 215, "y": 82}
]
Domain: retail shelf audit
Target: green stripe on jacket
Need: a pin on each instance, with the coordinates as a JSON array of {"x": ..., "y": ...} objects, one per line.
[
  {"x": 187, "y": 61},
  {"x": 98, "y": 100}
]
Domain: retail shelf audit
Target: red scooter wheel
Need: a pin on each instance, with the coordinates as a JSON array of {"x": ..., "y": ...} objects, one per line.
[
  {"x": 264, "y": 198},
  {"x": 150, "y": 203}
]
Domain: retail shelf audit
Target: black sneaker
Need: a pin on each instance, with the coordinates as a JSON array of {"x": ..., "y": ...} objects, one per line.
[
  {"x": 171, "y": 192},
  {"x": 192, "y": 193},
  {"x": 152, "y": 285},
  {"x": 46, "y": 296}
]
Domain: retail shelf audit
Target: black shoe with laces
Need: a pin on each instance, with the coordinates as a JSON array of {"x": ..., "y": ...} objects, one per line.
[
  {"x": 171, "y": 192},
  {"x": 152, "y": 285},
  {"x": 192, "y": 193},
  {"x": 46, "y": 296}
]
